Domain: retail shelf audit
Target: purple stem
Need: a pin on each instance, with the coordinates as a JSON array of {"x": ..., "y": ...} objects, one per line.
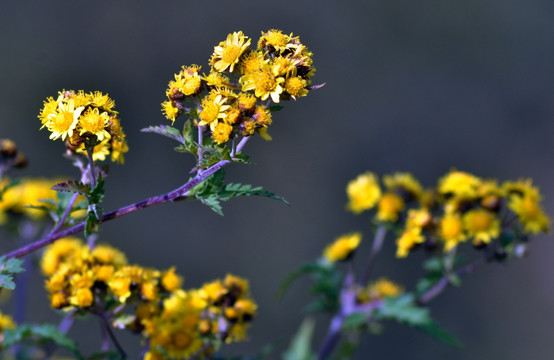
[{"x": 169, "y": 196}]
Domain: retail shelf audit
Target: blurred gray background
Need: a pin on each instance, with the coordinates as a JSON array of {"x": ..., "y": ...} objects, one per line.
[{"x": 418, "y": 86}]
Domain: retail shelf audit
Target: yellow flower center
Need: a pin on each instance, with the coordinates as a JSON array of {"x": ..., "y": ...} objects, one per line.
[
  {"x": 265, "y": 81},
  {"x": 181, "y": 340},
  {"x": 276, "y": 39},
  {"x": 231, "y": 53},
  {"x": 451, "y": 227},
  {"x": 294, "y": 86},
  {"x": 481, "y": 221},
  {"x": 530, "y": 207}
]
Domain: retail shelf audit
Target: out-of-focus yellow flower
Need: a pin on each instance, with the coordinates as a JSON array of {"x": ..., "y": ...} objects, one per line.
[
  {"x": 481, "y": 225},
  {"x": 408, "y": 240},
  {"x": 363, "y": 193},
  {"x": 342, "y": 247},
  {"x": 389, "y": 207},
  {"x": 451, "y": 230}
]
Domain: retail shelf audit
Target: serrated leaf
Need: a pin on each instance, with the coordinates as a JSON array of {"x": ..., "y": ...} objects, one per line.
[
  {"x": 233, "y": 190},
  {"x": 300, "y": 347},
  {"x": 91, "y": 225},
  {"x": 73, "y": 186},
  {"x": 40, "y": 333},
  {"x": 97, "y": 194},
  {"x": 166, "y": 130},
  {"x": 213, "y": 203},
  {"x": 6, "y": 281},
  {"x": 437, "y": 332},
  {"x": 404, "y": 310}
]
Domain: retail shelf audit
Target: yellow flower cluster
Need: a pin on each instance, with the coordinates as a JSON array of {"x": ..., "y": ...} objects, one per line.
[
  {"x": 378, "y": 290},
  {"x": 462, "y": 207},
  {"x": 176, "y": 322},
  {"x": 16, "y": 199},
  {"x": 82, "y": 118},
  {"x": 234, "y": 98},
  {"x": 342, "y": 248}
]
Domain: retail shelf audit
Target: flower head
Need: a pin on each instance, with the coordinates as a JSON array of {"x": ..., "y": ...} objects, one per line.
[
  {"x": 227, "y": 54},
  {"x": 342, "y": 247},
  {"x": 363, "y": 193}
]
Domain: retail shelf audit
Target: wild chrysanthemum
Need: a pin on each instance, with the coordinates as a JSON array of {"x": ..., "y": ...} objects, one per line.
[
  {"x": 363, "y": 193},
  {"x": 94, "y": 123},
  {"x": 529, "y": 213},
  {"x": 227, "y": 54},
  {"x": 342, "y": 247},
  {"x": 408, "y": 240},
  {"x": 265, "y": 83},
  {"x": 451, "y": 230},
  {"x": 481, "y": 225},
  {"x": 64, "y": 120},
  {"x": 389, "y": 207}
]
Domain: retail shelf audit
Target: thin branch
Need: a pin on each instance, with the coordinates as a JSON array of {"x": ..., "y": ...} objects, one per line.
[
  {"x": 439, "y": 287},
  {"x": 377, "y": 245},
  {"x": 160, "y": 199},
  {"x": 65, "y": 214}
]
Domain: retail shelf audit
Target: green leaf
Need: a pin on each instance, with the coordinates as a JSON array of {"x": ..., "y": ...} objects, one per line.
[
  {"x": 40, "y": 333},
  {"x": 97, "y": 194},
  {"x": 166, "y": 130},
  {"x": 300, "y": 347},
  {"x": 404, "y": 310},
  {"x": 73, "y": 186},
  {"x": 434, "y": 265},
  {"x": 233, "y": 190},
  {"x": 355, "y": 320},
  {"x": 213, "y": 203},
  {"x": 275, "y": 108},
  {"x": 7, "y": 269},
  {"x": 435, "y": 331},
  {"x": 92, "y": 223}
]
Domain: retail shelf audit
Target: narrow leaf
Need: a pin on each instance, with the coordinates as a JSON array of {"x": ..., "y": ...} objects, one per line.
[
  {"x": 300, "y": 347},
  {"x": 166, "y": 130}
]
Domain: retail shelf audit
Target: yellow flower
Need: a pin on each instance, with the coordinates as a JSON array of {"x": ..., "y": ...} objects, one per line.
[
  {"x": 275, "y": 39},
  {"x": 482, "y": 225},
  {"x": 451, "y": 230},
  {"x": 262, "y": 117},
  {"x": 99, "y": 100},
  {"x": 121, "y": 286},
  {"x": 6, "y": 322},
  {"x": 108, "y": 255},
  {"x": 221, "y": 132},
  {"x": 170, "y": 111},
  {"x": 216, "y": 79},
  {"x": 530, "y": 213},
  {"x": 63, "y": 122},
  {"x": 82, "y": 298},
  {"x": 171, "y": 281},
  {"x": 265, "y": 83},
  {"x": 214, "y": 291},
  {"x": 49, "y": 109},
  {"x": 296, "y": 87},
  {"x": 385, "y": 288},
  {"x": 94, "y": 123},
  {"x": 404, "y": 184},
  {"x": 99, "y": 152},
  {"x": 342, "y": 247},
  {"x": 228, "y": 53},
  {"x": 459, "y": 183},
  {"x": 246, "y": 102},
  {"x": 389, "y": 207},
  {"x": 57, "y": 253},
  {"x": 213, "y": 108},
  {"x": 407, "y": 241},
  {"x": 118, "y": 149},
  {"x": 236, "y": 284},
  {"x": 363, "y": 193}
]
